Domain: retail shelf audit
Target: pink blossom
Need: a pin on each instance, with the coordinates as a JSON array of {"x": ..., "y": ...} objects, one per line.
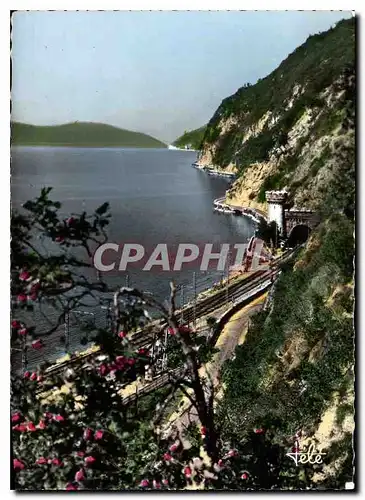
[
  {"x": 184, "y": 329},
  {"x": 18, "y": 464},
  {"x": 99, "y": 435},
  {"x": 59, "y": 418},
  {"x": 22, "y": 331},
  {"x": 88, "y": 434},
  {"x": 41, "y": 461},
  {"x": 24, "y": 276},
  {"x": 48, "y": 415},
  {"x": 203, "y": 431},
  {"x": 187, "y": 472},
  {"x": 33, "y": 296},
  {"x": 89, "y": 460},
  {"x": 171, "y": 331},
  {"x": 26, "y": 374},
  {"x": 20, "y": 428},
  {"x": 80, "y": 453},
  {"x": 33, "y": 376},
  {"x": 80, "y": 475},
  {"x": 259, "y": 431},
  {"x": 103, "y": 370},
  {"x": 16, "y": 417},
  {"x": 42, "y": 424},
  {"x": 70, "y": 221},
  {"x": 156, "y": 485},
  {"x": 56, "y": 461},
  {"x": 167, "y": 457},
  {"x": 39, "y": 378},
  {"x": 173, "y": 447},
  {"x": 71, "y": 487},
  {"x": 122, "y": 335},
  {"x": 22, "y": 297},
  {"x": 15, "y": 323},
  {"x": 31, "y": 427},
  {"x": 37, "y": 344},
  {"x": 60, "y": 239},
  {"x": 244, "y": 475},
  {"x": 165, "y": 482},
  {"x": 144, "y": 483}
]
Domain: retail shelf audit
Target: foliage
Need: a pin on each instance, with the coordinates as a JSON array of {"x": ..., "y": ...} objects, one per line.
[
  {"x": 308, "y": 71},
  {"x": 81, "y": 134},
  {"x": 192, "y": 138}
]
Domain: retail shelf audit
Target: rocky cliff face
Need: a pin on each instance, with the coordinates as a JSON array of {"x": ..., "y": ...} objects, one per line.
[{"x": 291, "y": 129}]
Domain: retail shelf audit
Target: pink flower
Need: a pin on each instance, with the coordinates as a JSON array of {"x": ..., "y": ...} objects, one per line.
[
  {"x": 244, "y": 475},
  {"x": 231, "y": 453},
  {"x": 184, "y": 329},
  {"x": 39, "y": 378},
  {"x": 88, "y": 434},
  {"x": 33, "y": 297},
  {"x": 171, "y": 331},
  {"x": 33, "y": 376},
  {"x": 131, "y": 361},
  {"x": 24, "y": 276},
  {"x": 99, "y": 435},
  {"x": 16, "y": 417},
  {"x": 48, "y": 415},
  {"x": 103, "y": 370},
  {"x": 37, "y": 344},
  {"x": 165, "y": 482},
  {"x": 22, "y": 331},
  {"x": 56, "y": 461},
  {"x": 80, "y": 475},
  {"x": 144, "y": 483},
  {"x": 167, "y": 457},
  {"x": 203, "y": 431},
  {"x": 42, "y": 424},
  {"x": 20, "y": 428},
  {"x": 41, "y": 461},
  {"x": 156, "y": 485},
  {"x": 80, "y": 453},
  {"x": 59, "y": 418},
  {"x": 173, "y": 447},
  {"x": 22, "y": 297},
  {"x": 26, "y": 374},
  {"x": 71, "y": 487},
  {"x": 18, "y": 465},
  {"x": 70, "y": 221},
  {"x": 259, "y": 431},
  {"x": 142, "y": 351},
  {"x": 31, "y": 427},
  {"x": 15, "y": 323},
  {"x": 89, "y": 460},
  {"x": 220, "y": 463},
  {"x": 59, "y": 239},
  {"x": 122, "y": 335},
  {"x": 187, "y": 472}
]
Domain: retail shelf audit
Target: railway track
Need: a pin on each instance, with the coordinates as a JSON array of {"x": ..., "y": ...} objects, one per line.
[{"x": 232, "y": 293}]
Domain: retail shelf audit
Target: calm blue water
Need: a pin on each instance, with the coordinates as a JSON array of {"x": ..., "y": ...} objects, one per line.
[{"x": 155, "y": 197}]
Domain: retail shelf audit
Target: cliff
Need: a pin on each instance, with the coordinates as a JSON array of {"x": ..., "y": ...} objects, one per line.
[{"x": 290, "y": 129}]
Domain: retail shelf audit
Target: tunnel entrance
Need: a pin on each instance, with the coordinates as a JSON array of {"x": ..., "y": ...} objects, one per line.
[{"x": 298, "y": 235}]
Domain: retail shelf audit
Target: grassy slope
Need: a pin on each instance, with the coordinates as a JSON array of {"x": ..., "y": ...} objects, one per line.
[
  {"x": 193, "y": 138},
  {"x": 298, "y": 355},
  {"x": 314, "y": 65},
  {"x": 81, "y": 134}
]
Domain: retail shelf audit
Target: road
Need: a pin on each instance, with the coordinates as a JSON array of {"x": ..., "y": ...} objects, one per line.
[{"x": 233, "y": 334}]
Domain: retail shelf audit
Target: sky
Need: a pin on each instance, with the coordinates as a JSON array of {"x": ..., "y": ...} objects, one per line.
[{"x": 160, "y": 73}]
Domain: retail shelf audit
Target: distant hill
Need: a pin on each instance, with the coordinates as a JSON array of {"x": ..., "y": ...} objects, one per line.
[
  {"x": 192, "y": 139},
  {"x": 80, "y": 134}
]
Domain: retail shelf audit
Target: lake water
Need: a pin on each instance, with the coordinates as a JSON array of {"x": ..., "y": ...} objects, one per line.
[{"x": 155, "y": 195}]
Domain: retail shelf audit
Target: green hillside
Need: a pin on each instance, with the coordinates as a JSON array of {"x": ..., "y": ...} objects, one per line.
[
  {"x": 80, "y": 134},
  {"x": 192, "y": 139}
]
